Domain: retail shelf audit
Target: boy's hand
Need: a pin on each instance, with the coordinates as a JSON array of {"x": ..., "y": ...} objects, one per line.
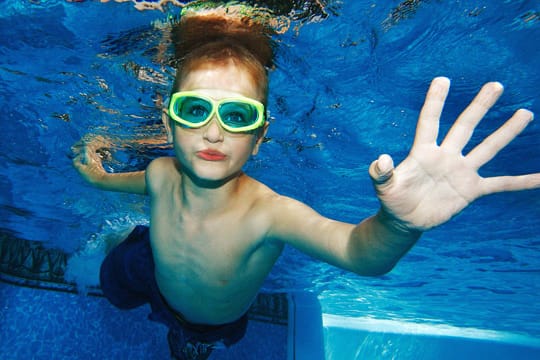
[
  {"x": 435, "y": 182},
  {"x": 89, "y": 154}
]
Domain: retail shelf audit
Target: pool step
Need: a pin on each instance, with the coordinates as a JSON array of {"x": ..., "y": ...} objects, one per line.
[
  {"x": 368, "y": 338},
  {"x": 305, "y": 339}
]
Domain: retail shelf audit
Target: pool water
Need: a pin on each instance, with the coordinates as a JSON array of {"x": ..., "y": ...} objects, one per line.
[{"x": 348, "y": 86}]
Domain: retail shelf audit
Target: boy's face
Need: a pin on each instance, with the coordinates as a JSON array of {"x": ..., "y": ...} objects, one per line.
[{"x": 210, "y": 152}]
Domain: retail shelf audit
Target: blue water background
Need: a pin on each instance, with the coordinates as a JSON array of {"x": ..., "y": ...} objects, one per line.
[{"x": 345, "y": 90}]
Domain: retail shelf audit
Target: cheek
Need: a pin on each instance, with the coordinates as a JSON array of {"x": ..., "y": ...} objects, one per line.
[
  {"x": 182, "y": 140},
  {"x": 243, "y": 148},
  {"x": 183, "y": 136}
]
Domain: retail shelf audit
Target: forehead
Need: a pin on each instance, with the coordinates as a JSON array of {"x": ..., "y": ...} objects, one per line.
[{"x": 227, "y": 78}]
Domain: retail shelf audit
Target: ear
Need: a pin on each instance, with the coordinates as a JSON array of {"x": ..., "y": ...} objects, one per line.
[
  {"x": 260, "y": 138},
  {"x": 166, "y": 120}
]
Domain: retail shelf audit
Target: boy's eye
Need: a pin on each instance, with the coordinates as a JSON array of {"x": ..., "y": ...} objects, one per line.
[
  {"x": 235, "y": 118},
  {"x": 197, "y": 111}
]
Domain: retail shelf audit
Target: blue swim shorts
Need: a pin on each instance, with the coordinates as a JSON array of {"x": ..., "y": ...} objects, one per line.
[{"x": 127, "y": 280}]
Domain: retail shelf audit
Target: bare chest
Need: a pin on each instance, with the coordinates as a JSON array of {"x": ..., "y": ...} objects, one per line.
[{"x": 210, "y": 250}]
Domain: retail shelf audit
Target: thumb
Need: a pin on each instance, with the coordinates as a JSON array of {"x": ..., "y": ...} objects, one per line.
[{"x": 382, "y": 169}]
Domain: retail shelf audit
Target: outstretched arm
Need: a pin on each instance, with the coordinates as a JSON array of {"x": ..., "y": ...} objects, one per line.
[
  {"x": 435, "y": 182},
  {"x": 88, "y": 162}
]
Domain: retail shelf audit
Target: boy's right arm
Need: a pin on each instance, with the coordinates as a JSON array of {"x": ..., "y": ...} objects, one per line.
[{"x": 88, "y": 163}]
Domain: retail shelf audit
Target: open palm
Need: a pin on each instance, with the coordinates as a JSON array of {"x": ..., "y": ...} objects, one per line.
[{"x": 435, "y": 182}]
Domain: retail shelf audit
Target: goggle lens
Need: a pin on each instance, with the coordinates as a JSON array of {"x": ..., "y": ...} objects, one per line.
[
  {"x": 237, "y": 114},
  {"x": 192, "y": 109}
]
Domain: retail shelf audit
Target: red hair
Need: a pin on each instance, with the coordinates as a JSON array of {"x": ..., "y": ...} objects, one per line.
[{"x": 218, "y": 37}]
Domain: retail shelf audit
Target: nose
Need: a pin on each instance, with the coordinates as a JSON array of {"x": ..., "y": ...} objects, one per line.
[{"x": 213, "y": 132}]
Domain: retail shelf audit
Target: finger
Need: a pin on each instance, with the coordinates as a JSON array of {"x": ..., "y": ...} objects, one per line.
[
  {"x": 428, "y": 121},
  {"x": 382, "y": 169},
  {"x": 488, "y": 148},
  {"x": 462, "y": 130},
  {"x": 79, "y": 161},
  {"x": 510, "y": 183},
  {"x": 76, "y": 148}
]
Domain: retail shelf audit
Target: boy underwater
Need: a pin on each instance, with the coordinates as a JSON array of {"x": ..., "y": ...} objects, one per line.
[{"x": 215, "y": 232}]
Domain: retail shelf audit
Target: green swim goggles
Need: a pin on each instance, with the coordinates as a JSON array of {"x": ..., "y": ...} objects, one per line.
[{"x": 237, "y": 114}]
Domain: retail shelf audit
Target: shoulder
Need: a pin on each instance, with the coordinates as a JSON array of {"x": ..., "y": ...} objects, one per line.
[
  {"x": 159, "y": 171},
  {"x": 261, "y": 194},
  {"x": 271, "y": 200},
  {"x": 162, "y": 163},
  {"x": 294, "y": 222},
  {"x": 259, "y": 198},
  {"x": 283, "y": 214}
]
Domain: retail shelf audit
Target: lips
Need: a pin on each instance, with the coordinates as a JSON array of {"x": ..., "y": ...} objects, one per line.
[{"x": 211, "y": 155}]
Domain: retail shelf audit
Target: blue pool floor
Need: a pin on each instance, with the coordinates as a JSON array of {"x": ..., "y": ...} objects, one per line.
[{"x": 42, "y": 324}]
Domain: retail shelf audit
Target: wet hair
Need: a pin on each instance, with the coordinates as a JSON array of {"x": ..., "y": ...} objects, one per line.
[
  {"x": 224, "y": 53},
  {"x": 217, "y": 37}
]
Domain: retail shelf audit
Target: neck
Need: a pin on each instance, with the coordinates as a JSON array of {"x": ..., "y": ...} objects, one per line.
[{"x": 203, "y": 197}]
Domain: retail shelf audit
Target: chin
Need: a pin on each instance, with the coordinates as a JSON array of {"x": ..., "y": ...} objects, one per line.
[{"x": 212, "y": 178}]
